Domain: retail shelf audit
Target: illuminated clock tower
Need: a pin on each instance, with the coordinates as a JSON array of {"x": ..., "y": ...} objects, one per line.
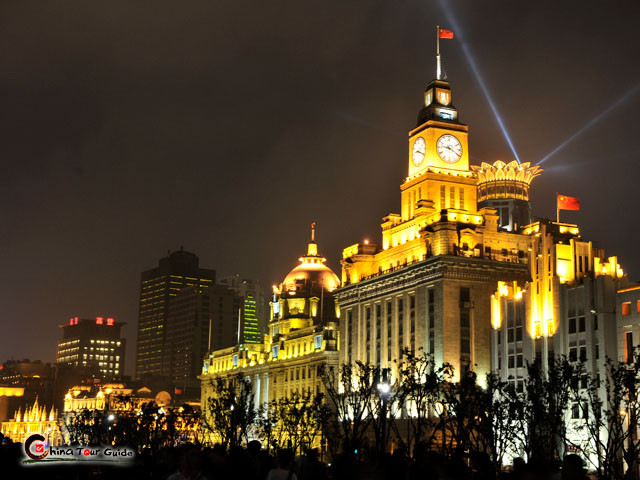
[
  {"x": 438, "y": 161},
  {"x": 428, "y": 284},
  {"x": 439, "y": 139}
]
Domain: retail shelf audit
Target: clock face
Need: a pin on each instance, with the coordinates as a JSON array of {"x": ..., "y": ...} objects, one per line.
[
  {"x": 449, "y": 148},
  {"x": 419, "y": 149}
]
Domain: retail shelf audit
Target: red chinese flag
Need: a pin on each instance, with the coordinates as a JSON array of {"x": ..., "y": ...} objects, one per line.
[
  {"x": 442, "y": 33},
  {"x": 568, "y": 203}
]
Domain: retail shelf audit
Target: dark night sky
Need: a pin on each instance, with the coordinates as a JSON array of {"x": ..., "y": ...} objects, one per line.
[{"x": 131, "y": 128}]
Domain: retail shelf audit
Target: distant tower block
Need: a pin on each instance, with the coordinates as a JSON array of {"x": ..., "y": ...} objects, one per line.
[{"x": 505, "y": 187}]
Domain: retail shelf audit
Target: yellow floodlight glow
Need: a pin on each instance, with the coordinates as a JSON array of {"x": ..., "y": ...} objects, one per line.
[{"x": 495, "y": 311}]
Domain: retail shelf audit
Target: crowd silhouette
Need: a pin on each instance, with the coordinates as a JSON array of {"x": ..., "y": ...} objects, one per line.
[{"x": 192, "y": 462}]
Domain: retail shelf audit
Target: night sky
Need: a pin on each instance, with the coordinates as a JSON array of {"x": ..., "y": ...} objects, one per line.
[{"x": 128, "y": 129}]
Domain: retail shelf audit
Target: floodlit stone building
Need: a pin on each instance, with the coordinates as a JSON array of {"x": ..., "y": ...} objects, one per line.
[{"x": 303, "y": 336}]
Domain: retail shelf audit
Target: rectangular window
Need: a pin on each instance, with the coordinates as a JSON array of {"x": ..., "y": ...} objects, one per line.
[
  {"x": 400, "y": 319},
  {"x": 368, "y": 319},
  {"x": 518, "y": 334},
  {"x": 583, "y": 354},
  {"x": 452, "y": 197},
  {"x": 512, "y": 361},
  {"x": 573, "y": 354},
  {"x": 626, "y": 309},
  {"x": 637, "y": 306},
  {"x": 465, "y": 346},
  {"x": 572, "y": 325},
  {"x": 629, "y": 347},
  {"x": 510, "y": 335},
  {"x": 519, "y": 361},
  {"x": 465, "y": 327},
  {"x": 412, "y": 313},
  {"x": 584, "y": 382},
  {"x": 575, "y": 411},
  {"x": 461, "y": 198},
  {"x": 582, "y": 324},
  {"x": 443, "y": 197}
]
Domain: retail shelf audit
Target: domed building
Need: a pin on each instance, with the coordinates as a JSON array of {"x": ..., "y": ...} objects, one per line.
[
  {"x": 302, "y": 337},
  {"x": 305, "y": 298}
]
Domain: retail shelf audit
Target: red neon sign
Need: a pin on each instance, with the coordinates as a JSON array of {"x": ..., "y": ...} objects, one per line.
[
  {"x": 99, "y": 320},
  {"x": 110, "y": 321}
]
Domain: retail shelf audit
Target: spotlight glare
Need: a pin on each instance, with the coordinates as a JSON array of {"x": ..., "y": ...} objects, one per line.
[
  {"x": 467, "y": 53},
  {"x": 591, "y": 123}
]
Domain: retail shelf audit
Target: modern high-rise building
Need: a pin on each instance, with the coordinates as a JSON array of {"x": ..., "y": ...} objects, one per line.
[
  {"x": 254, "y": 312},
  {"x": 88, "y": 342},
  {"x": 178, "y": 270},
  {"x": 198, "y": 320}
]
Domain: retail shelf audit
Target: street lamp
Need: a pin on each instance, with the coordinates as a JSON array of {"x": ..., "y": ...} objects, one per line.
[{"x": 384, "y": 390}]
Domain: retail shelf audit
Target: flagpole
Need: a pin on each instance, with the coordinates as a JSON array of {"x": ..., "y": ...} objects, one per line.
[{"x": 438, "y": 66}]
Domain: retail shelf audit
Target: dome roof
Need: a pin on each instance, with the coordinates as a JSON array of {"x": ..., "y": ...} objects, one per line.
[
  {"x": 312, "y": 271},
  {"x": 315, "y": 272}
]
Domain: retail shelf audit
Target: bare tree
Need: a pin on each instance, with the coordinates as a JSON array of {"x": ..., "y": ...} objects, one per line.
[
  {"x": 420, "y": 384},
  {"x": 350, "y": 390},
  {"x": 384, "y": 408},
  {"x": 230, "y": 410},
  {"x": 610, "y": 422},
  {"x": 465, "y": 410},
  {"x": 539, "y": 412}
]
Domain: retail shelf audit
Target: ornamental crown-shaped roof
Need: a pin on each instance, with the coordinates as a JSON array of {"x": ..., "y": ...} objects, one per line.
[{"x": 500, "y": 171}]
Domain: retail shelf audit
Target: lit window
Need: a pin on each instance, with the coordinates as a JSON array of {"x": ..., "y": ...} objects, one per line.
[{"x": 626, "y": 309}]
